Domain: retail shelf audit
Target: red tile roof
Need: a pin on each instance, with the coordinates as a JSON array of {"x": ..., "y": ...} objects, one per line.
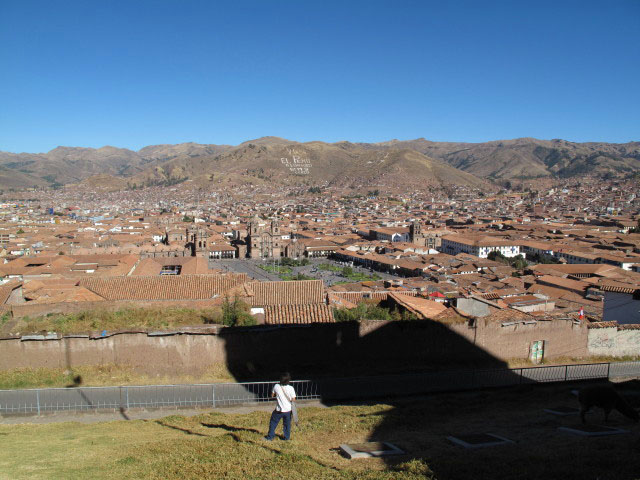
[
  {"x": 301, "y": 292},
  {"x": 298, "y": 314},
  {"x": 168, "y": 287}
]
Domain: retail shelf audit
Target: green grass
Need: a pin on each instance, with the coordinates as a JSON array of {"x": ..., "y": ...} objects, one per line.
[
  {"x": 353, "y": 276},
  {"x": 97, "y": 320},
  {"x": 275, "y": 269},
  {"x": 330, "y": 268},
  {"x": 295, "y": 276},
  {"x": 214, "y": 445},
  {"x": 4, "y": 319},
  {"x": 230, "y": 446},
  {"x": 104, "y": 375}
]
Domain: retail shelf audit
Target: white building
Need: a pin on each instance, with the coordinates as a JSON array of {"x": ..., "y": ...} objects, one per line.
[{"x": 478, "y": 246}]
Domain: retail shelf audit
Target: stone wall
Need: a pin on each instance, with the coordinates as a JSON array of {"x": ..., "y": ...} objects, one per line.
[
  {"x": 323, "y": 349},
  {"x": 614, "y": 341},
  {"x": 561, "y": 339}
]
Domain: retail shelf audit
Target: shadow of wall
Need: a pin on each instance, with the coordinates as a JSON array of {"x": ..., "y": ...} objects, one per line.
[
  {"x": 351, "y": 349},
  {"x": 382, "y": 362}
]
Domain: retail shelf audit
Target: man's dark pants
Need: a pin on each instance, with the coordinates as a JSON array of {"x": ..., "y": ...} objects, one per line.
[{"x": 275, "y": 420}]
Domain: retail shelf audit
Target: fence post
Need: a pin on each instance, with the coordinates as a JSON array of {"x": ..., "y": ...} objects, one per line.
[
  {"x": 609, "y": 370},
  {"x": 38, "y": 400},
  {"x": 566, "y": 368},
  {"x": 213, "y": 396},
  {"x": 127, "y": 392}
]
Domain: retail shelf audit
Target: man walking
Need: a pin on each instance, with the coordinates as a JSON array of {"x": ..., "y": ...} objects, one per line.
[{"x": 284, "y": 395}]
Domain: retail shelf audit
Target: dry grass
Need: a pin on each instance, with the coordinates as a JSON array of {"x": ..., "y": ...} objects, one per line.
[
  {"x": 230, "y": 446},
  {"x": 104, "y": 375},
  {"x": 97, "y": 320},
  {"x": 215, "y": 445}
]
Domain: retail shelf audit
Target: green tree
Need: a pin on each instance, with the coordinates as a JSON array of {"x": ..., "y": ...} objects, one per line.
[
  {"x": 496, "y": 256},
  {"x": 518, "y": 262},
  {"x": 236, "y": 313},
  {"x": 364, "y": 311},
  {"x": 347, "y": 271}
]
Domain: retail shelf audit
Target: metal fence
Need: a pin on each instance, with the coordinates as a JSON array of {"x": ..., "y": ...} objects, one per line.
[
  {"x": 39, "y": 401},
  {"x": 213, "y": 395}
]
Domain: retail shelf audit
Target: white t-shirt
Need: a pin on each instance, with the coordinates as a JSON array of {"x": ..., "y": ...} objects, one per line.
[{"x": 282, "y": 392}]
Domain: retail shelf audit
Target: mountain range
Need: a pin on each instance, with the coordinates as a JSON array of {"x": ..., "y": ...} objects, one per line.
[{"x": 392, "y": 164}]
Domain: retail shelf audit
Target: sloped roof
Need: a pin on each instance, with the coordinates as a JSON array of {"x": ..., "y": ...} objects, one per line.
[
  {"x": 7, "y": 288},
  {"x": 298, "y": 314},
  {"x": 163, "y": 287},
  {"x": 418, "y": 305},
  {"x": 301, "y": 292}
]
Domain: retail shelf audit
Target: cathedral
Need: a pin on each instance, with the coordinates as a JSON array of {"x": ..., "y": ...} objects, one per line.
[
  {"x": 264, "y": 241},
  {"x": 430, "y": 239},
  {"x": 197, "y": 241}
]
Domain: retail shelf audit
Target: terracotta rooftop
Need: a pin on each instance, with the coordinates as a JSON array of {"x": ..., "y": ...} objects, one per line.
[
  {"x": 298, "y": 314},
  {"x": 421, "y": 306},
  {"x": 301, "y": 292},
  {"x": 7, "y": 288},
  {"x": 167, "y": 287}
]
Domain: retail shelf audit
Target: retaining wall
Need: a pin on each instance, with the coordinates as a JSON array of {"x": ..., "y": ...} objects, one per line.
[
  {"x": 340, "y": 348},
  {"x": 614, "y": 341}
]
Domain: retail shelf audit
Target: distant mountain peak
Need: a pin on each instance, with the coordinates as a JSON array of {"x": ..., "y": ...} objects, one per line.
[
  {"x": 269, "y": 140},
  {"x": 399, "y": 163}
]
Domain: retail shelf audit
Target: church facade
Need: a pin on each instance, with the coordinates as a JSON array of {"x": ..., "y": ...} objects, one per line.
[
  {"x": 264, "y": 240},
  {"x": 425, "y": 238}
]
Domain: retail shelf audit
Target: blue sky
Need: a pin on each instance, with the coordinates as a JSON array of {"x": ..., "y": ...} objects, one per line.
[{"x": 134, "y": 73}]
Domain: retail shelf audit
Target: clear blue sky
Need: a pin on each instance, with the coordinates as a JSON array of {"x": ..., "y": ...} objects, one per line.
[{"x": 133, "y": 73}]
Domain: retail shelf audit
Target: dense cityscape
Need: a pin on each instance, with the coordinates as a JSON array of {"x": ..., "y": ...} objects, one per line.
[{"x": 361, "y": 240}]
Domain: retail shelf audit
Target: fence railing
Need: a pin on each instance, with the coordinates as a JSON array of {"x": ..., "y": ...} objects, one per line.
[{"x": 40, "y": 401}]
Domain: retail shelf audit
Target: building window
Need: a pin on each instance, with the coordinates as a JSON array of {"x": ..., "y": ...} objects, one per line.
[{"x": 171, "y": 270}]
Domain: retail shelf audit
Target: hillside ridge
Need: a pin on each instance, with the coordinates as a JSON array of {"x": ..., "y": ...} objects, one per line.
[{"x": 338, "y": 163}]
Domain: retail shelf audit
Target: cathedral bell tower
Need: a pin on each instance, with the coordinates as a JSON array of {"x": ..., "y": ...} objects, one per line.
[{"x": 415, "y": 231}]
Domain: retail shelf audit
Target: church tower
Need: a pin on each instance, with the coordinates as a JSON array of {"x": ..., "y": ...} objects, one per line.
[
  {"x": 197, "y": 241},
  {"x": 275, "y": 226},
  {"x": 415, "y": 231}
]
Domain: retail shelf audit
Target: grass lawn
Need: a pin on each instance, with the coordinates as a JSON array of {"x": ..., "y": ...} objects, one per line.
[
  {"x": 329, "y": 268},
  {"x": 103, "y": 375},
  {"x": 352, "y": 277},
  {"x": 288, "y": 277},
  {"x": 275, "y": 269},
  {"x": 213, "y": 445},
  {"x": 362, "y": 277},
  {"x": 230, "y": 446}
]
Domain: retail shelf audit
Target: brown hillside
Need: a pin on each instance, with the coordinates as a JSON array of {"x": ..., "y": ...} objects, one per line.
[
  {"x": 342, "y": 164},
  {"x": 394, "y": 163}
]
